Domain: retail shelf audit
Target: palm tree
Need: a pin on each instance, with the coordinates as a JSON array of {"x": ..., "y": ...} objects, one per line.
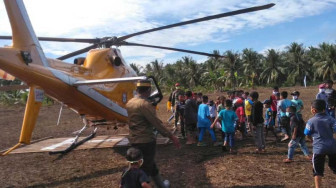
[
  {"x": 155, "y": 68},
  {"x": 251, "y": 62},
  {"x": 193, "y": 71},
  {"x": 272, "y": 70},
  {"x": 312, "y": 56},
  {"x": 214, "y": 63},
  {"x": 231, "y": 67},
  {"x": 326, "y": 61},
  {"x": 298, "y": 66},
  {"x": 213, "y": 75},
  {"x": 137, "y": 68}
]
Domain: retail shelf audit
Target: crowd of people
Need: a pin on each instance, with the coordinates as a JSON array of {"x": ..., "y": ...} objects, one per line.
[
  {"x": 243, "y": 112},
  {"x": 239, "y": 111}
]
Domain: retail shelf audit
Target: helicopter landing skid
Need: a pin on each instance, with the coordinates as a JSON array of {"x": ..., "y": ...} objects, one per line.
[{"x": 75, "y": 144}]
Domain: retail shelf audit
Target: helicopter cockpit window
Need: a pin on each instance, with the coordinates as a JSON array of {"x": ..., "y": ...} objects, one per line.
[
  {"x": 116, "y": 61},
  {"x": 79, "y": 61}
]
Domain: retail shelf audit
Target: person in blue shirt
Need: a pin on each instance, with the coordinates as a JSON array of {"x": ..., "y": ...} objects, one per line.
[
  {"x": 298, "y": 103},
  {"x": 269, "y": 119},
  {"x": 284, "y": 103},
  {"x": 229, "y": 118},
  {"x": 204, "y": 122},
  {"x": 321, "y": 128}
]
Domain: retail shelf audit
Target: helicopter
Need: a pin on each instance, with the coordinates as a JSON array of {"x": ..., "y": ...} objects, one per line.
[{"x": 96, "y": 87}]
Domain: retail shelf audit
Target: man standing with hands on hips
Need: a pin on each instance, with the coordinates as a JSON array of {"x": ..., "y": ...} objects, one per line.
[{"x": 142, "y": 120}]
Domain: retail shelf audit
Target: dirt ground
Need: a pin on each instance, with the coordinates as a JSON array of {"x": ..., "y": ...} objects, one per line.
[{"x": 190, "y": 166}]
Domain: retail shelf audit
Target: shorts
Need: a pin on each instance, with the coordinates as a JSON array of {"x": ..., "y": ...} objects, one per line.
[
  {"x": 318, "y": 163},
  {"x": 248, "y": 118}
]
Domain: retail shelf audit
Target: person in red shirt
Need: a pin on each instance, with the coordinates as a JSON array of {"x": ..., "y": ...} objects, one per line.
[
  {"x": 241, "y": 117},
  {"x": 274, "y": 101}
]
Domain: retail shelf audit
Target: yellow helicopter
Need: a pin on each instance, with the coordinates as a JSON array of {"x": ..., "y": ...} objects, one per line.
[{"x": 96, "y": 87}]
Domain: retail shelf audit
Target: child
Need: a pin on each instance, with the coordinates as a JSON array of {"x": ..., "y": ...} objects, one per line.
[
  {"x": 204, "y": 122},
  {"x": 213, "y": 110},
  {"x": 297, "y": 127},
  {"x": 190, "y": 118},
  {"x": 133, "y": 176},
  {"x": 240, "y": 112},
  {"x": 298, "y": 103},
  {"x": 248, "y": 110},
  {"x": 228, "y": 117},
  {"x": 269, "y": 119},
  {"x": 284, "y": 103},
  {"x": 321, "y": 128},
  {"x": 257, "y": 121},
  {"x": 180, "y": 110},
  {"x": 220, "y": 107}
]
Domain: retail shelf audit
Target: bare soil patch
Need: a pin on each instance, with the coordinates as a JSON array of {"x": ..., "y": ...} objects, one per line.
[{"x": 190, "y": 166}]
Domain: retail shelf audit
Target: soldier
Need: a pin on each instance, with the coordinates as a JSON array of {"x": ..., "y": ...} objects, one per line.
[
  {"x": 174, "y": 100},
  {"x": 142, "y": 120}
]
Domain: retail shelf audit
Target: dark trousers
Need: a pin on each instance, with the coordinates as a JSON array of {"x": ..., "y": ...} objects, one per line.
[
  {"x": 148, "y": 151},
  {"x": 177, "y": 117},
  {"x": 182, "y": 126}
]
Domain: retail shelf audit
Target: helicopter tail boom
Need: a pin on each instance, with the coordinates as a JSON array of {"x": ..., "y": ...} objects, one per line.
[{"x": 23, "y": 35}]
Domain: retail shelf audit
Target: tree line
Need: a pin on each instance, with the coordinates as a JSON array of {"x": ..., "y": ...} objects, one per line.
[{"x": 247, "y": 68}]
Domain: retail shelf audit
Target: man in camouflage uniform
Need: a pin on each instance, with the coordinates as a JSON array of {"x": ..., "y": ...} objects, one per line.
[
  {"x": 142, "y": 121},
  {"x": 174, "y": 100}
]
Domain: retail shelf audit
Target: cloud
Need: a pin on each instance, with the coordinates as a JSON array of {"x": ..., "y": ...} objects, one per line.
[
  {"x": 278, "y": 48},
  {"x": 91, "y": 19}
]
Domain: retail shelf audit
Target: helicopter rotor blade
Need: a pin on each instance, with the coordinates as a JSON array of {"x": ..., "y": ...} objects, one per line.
[
  {"x": 168, "y": 48},
  {"x": 227, "y": 14},
  {"x": 78, "y": 52},
  {"x": 55, "y": 39}
]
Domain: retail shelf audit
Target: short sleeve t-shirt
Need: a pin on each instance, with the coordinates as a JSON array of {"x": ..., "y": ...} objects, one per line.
[
  {"x": 298, "y": 104},
  {"x": 321, "y": 127},
  {"x": 240, "y": 114},
  {"x": 268, "y": 116},
  {"x": 228, "y": 118},
  {"x": 295, "y": 122},
  {"x": 284, "y": 104},
  {"x": 274, "y": 103},
  {"x": 133, "y": 177},
  {"x": 202, "y": 117},
  {"x": 248, "y": 107}
]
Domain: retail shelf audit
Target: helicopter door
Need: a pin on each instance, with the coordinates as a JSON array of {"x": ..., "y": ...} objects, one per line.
[{"x": 156, "y": 94}]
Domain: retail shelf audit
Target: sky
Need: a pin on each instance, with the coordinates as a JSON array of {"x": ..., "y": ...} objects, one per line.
[{"x": 310, "y": 22}]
